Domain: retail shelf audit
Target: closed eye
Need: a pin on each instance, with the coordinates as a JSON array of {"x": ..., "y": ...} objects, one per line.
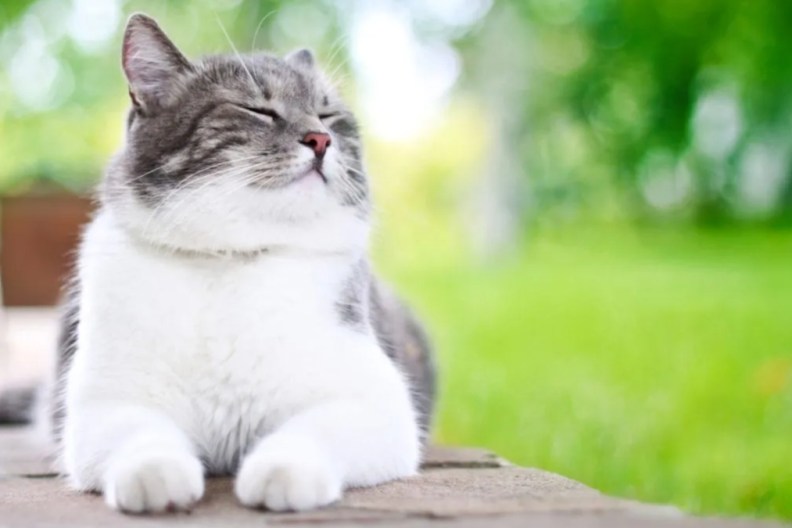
[
  {"x": 272, "y": 114},
  {"x": 329, "y": 115}
]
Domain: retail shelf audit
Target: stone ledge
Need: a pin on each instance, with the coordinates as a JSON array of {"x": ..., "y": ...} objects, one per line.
[
  {"x": 22, "y": 454},
  {"x": 457, "y": 487}
]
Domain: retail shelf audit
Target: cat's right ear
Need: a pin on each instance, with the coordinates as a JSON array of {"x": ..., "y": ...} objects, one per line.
[{"x": 152, "y": 63}]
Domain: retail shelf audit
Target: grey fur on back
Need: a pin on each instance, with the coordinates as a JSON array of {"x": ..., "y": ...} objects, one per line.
[
  {"x": 404, "y": 340},
  {"x": 367, "y": 303}
]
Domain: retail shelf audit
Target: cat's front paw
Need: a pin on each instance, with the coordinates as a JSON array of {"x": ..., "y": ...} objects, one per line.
[
  {"x": 282, "y": 480},
  {"x": 151, "y": 481}
]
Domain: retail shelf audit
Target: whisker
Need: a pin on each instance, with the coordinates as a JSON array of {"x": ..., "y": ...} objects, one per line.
[
  {"x": 167, "y": 201},
  {"x": 357, "y": 192},
  {"x": 333, "y": 74},
  {"x": 206, "y": 171},
  {"x": 141, "y": 176},
  {"x": 236, "y": 52},
  {"x": 258, "y": 28},
  {"x": 335, "y": 48},
  {"x": 176, "y": 215}
]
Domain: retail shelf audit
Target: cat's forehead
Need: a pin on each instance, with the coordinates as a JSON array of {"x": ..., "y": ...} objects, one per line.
[{"x": 273, "y": 76}]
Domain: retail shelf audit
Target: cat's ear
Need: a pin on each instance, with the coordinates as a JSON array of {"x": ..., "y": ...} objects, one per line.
[
  {"x": 152, "y": 63},
  {"x": 302, "y": 58}
]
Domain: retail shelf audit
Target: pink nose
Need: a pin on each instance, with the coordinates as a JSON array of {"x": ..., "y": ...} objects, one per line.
[{"x": 317, "y": 141}]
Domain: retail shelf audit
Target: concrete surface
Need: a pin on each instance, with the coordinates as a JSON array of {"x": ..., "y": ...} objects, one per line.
[{"x": 457, "y": 487}]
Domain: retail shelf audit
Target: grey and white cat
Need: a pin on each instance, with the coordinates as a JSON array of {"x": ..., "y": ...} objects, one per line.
[{"x": 224, "y": 319}]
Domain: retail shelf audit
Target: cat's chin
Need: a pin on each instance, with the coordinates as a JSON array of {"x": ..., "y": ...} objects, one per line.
[
  {"x": 313, "y": 176},
  {"x": 230, "y": 219},
  {"x": 306, "y": 177},
  {"x": 310, "y": 176},
  {"x": 254, "y": 228}
]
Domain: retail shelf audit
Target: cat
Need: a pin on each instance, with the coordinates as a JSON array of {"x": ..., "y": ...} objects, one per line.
[{"x": 223, "y": 318}]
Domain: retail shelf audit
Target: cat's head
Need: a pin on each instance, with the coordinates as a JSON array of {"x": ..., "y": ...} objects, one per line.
[{"x": 235, "y": 152}]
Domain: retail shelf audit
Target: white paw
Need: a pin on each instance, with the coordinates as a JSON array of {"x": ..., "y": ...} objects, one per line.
[
  {"x": 154, "y": 481},
  {"x": 283, "y": 480}
]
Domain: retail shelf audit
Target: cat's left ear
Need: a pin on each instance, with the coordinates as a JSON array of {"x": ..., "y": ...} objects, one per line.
[
  {"x": 303, "y": 58},
  {"x": 152, "y": 63}
]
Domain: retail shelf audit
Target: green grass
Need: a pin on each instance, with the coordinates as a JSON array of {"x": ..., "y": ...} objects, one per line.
[{"x": 648, "y": 364}]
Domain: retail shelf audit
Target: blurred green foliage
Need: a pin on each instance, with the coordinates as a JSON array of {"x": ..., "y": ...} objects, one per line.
[
  {"x": 680, "y": 109},
  {"x": 671, "y": 109},
  {"x": 611, "y": 337}
]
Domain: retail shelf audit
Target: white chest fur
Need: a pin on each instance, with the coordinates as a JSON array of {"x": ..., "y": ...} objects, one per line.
[{"x": 229, "y": 349}]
